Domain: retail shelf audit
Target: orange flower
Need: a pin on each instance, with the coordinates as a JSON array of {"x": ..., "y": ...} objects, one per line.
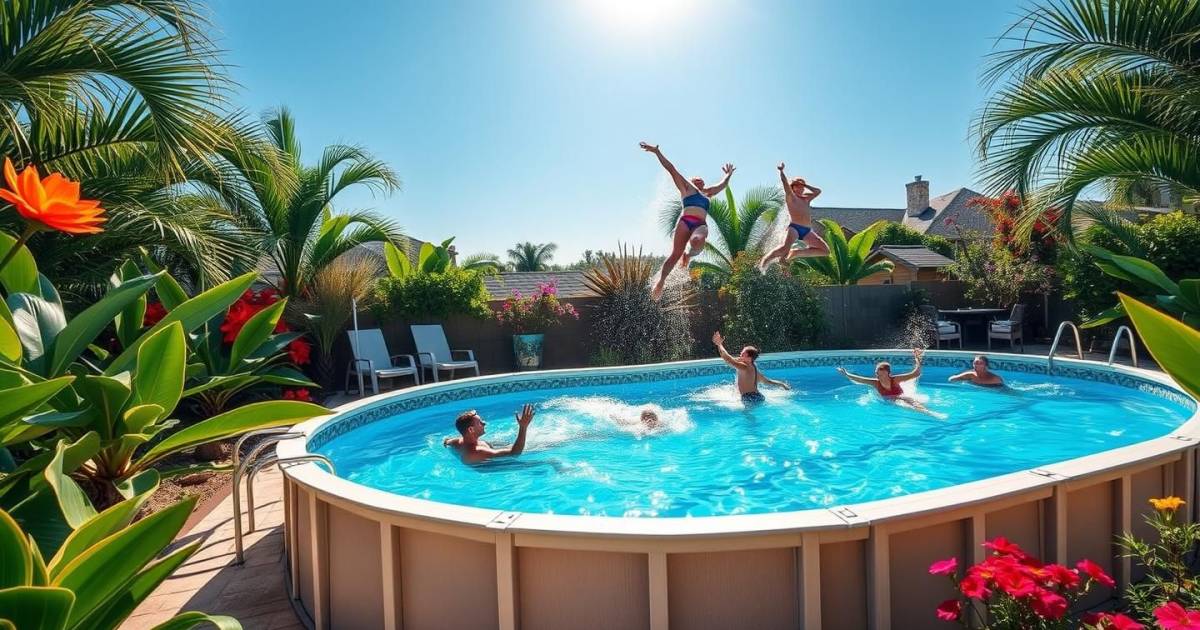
[
  {"x": 1167, "y": 504},
  {"x": 51, "y": 203}
]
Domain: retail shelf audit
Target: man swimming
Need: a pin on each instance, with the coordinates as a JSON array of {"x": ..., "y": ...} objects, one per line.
[
  {"x": 888, "y": 385},
  {"x": 748, "y": 376},
  {"x": 799, "y": 197},
  {"x": 979, "y": 374},
  {"x": 471, "y": 427}
]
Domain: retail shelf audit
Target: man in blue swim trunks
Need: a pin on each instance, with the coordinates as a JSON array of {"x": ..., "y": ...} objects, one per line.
[
  {"x": 748, "y": 376},
  {"x": 799, "y": 205}
]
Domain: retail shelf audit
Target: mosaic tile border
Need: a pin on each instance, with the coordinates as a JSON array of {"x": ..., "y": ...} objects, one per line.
[{"x": 453, "y": 391}]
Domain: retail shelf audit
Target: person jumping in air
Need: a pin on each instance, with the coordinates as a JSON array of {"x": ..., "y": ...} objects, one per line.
[
  {"x": 799, "y": 206},
  {"x": 748, "y": 376},
  {"x": 888, "y": 385},
  {"x": 692, "y": 229}
]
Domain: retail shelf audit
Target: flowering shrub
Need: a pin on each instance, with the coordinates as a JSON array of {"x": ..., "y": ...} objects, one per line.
[
  {"x": 1011, "y": 589},
  {"x": 1169, "y": 582},
  {"x": 248, "y": 306},
  {"x": 1003, "y": 211},
  {"x": 536, "y": 312},
  {"x": 994, "y": 275}
]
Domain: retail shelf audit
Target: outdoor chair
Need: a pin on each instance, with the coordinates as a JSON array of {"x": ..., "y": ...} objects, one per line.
[
  {"x": 371, "y": 357},
  {"x": 1009, "y": 329},
  {"x": 942, "y": 330},
  {"x": 434, "y": 353}
]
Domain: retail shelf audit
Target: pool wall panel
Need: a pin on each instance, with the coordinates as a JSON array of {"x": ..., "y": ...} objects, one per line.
[
  {"x": 1090, "y": 518},
  {"x": 582, "y": 589},
  {"x": 446, "y": 582},
  {"x": 843, "y": 585},
  {"x": 915, "y": 593},
  {"x": 304, "y": 551},
  {"x": 1020, "y": 524},
  {"x": 750, "y": 589},
  {"x": 355, "y": 578}
]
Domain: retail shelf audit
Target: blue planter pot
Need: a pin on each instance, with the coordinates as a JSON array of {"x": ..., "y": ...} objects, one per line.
[{"x": 528, "y": 351}]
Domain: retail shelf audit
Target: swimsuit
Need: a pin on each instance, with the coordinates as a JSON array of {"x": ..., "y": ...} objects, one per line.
[
  {"x": 801, "y": 230},
  {"x": 694, "y": 200},
  {"x": 892, "y": 392},
  {"x": 754, "y": 396},
  {"x": 692, "y": 222}
]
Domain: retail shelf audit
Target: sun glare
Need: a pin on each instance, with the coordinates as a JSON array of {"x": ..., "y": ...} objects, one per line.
[{"x": 640, "y": 15}]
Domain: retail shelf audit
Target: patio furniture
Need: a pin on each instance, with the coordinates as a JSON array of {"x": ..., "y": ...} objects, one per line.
[
  {"x": 434, "y": 353},
  {"x": 371, "y": 357},
  {"x": 942, "y": 330},
  {"x": 1009, "y": 329},
  {"x": 970, "y": 314}
]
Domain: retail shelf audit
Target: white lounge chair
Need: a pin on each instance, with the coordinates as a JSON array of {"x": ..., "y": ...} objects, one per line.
[
  {"x": 434, "y": 353},
  {"x": 371, "y": 357},
  {"x": 943, "y": 330},
  {"x": 1009, "y": 329}
]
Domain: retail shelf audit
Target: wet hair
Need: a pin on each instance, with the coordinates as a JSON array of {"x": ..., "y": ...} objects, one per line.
[
  {"x": 884, "y": 365},
  {"x": 984, "y": 359},
  {"x": 751, "y": 351},
  {"x": 464, "y": 420},
  {"x": 649, "y": 417}
]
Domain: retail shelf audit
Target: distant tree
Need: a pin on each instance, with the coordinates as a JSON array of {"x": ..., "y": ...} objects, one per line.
[
  {"x": 847, "y": 259},
  {"x": 531, "y": 256},
  {"x": 899, "y": 234}
]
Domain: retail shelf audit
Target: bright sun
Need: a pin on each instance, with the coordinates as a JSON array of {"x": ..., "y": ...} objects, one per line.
[{"x": 640, "y": 14}]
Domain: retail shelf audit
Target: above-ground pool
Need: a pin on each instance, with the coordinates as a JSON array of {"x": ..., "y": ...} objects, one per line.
[{"x": 820, "y": 506}]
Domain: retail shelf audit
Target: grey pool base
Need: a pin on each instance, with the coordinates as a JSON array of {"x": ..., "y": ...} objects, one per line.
[{"x": 363, "y": 558}]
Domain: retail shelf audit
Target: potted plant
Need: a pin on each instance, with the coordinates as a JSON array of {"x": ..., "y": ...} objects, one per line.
[{"x": 529, "y": 316}]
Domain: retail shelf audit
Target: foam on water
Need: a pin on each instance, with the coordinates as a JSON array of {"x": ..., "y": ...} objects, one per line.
[{"x": 825, "y": 443}]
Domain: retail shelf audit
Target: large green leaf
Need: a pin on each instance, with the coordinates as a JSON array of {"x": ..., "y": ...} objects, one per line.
[
  {"x": 10, "y": 343},
  {"x": 16, "y": 561},
  {"x": 38, "y": 321},
  {"x": 192, "y": 314},
  {"x": 397, "y": 261},
  {"x": 97, "y": 528},
  {"x": 142, "y": 483},
  {"x": 170, "y": 294},
  {"x": 84, "y": 327},
  {"x": 17, "y": 402},
  {"x": 1189, "y": 295},
  {"x": 76, "y": 507},
  {"x": 260, "y": 415},
  {"x": 20, "y": 275},
  {"x": 288, "y": 377},
  {"x": 105, "y": 570},
  {"x": 128, "y": 322},
  {"x": 1174, "y": 345},
  {"x": 860, "y": 244},
  {"x": 123, "y": 604},
  {"x": 255, "y": 332},
  {"x": 36, "y": 607},
  {"x": 161, "y": 364},
  {"x": 189, "y": 619},
  {"x": 107, "y": 397}
]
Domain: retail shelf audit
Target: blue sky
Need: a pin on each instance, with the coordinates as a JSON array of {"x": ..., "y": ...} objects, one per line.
[{"x": 514, "y": 120}]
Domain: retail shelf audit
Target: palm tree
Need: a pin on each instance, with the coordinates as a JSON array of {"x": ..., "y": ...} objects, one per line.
[
  {"x": 847, "y": 259},
  {"x": 302, "y": 232},
  {"x": 733, "y": 227},
  {"x": 482, "y": 262},
  {"x": 119, "y": 95},
  {"x": 531, "y": 256},
  {"x": 1095, "y": 92}
]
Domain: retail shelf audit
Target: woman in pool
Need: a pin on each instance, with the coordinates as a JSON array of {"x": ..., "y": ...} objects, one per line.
[
  {"x": 692, "y": 229},
  {"x": 888, "y": 385},
  {"x": 799, "y": 206}
]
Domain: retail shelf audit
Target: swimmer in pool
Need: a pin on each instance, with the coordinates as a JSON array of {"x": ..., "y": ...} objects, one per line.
[
  {"x": 979, "y": 374},
  {"x": 799, "y": 206},
  {"x": 648, "y": 419},
  {"x": 748, "y": 376},
  {"x": 888, "y": 385},
  {"x": 471, "y": 427}
]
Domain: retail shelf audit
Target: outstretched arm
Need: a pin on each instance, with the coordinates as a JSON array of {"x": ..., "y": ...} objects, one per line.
[
  {"x": 763, "y": 378},
  {"x": 682, "y": 184},
  {"x": 719, "y": 341},
  {"x": 856, "y": 378},
  {"x": 918, "y": 357},
  {"x": 716, "y": 190},
  {"x": 787, "y": 189},
  {"x": 969, "y": 375},
  {"x": 524, "y": 417}
]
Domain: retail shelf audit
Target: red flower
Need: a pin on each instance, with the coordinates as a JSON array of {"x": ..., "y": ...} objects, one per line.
[
  {"x": 1002, "y": 546},
  {"x": 1049, "y": 605},
  {"x": 239, "y": 313},
  {"x": 155, "y": 311},
  {"x": 1096, "y": 573},
  {"x": 1062, "y": 576},
  {"x": 1111, "y": 621},
  {"x": 1015, "y": 584},
  {"x": 949, "y": 610},
  {"x": 1172, "y": 616},
  {"x": 299, "y": 351},
  {"x": 300, "y": 394},
  {"x": 972, "y": 586},
  {"x": 944, "y": 567}
]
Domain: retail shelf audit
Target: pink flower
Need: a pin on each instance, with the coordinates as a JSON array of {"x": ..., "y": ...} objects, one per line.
[
  {"x": 1002, "y": 546},
  {"x": 1095, "y": 572},
  {"x": 949, "y": 610},
  {"x": 944, "y": 567},
  {"x": 1172, "y": 616},
  {"x": 1111, "y": 621},
  {"x": 972, "y": 586},
  {"x": 1049, "y": 605}
]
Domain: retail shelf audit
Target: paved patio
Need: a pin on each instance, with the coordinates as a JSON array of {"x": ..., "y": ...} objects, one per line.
[{"x": 254, "y": 593}]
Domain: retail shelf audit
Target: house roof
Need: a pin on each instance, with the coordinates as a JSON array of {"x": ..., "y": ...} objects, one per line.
[
  {"x": 952, "y": 205},
  {"x": 570, "y": 283},
  {"x": 855, "y": 219},
  {"x": 913, "y": 256}
]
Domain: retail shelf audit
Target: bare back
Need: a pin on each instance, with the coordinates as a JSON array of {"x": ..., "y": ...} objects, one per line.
[{"x": 747, "y": 378}]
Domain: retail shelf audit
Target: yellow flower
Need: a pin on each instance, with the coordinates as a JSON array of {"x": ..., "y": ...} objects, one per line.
[{"x": 1167, "y": 504}]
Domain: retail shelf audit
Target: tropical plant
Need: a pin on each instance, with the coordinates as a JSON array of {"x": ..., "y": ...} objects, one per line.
[
  {"x": 1181, "y": 299},
  {"x": 994, "y": 275},
  {"x": 431, "y": 296},
  {"x": 436, "y": 259},
  {"x": 531, "y": 256},
  {"x": 846, "y": 262},
  {"x": 734, "y": 227},
  {"x": 776, "y": 311},
  {"x": 333, "y": 294},
  {"x": 1174, "y": 345},
  {"x": 303, "y": 233},
  {"x": 483, "y": 262},
  {"x": 627, "y": 326},
  {"x": 536, "y": 312},
  {"x": 1165, "y": 560},
  {"x": 894, "y": 233},
  {"x": 1094, "y": 92}
]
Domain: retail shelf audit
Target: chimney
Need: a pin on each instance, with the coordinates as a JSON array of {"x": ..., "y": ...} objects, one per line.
[{"x": 918, "y": 196}]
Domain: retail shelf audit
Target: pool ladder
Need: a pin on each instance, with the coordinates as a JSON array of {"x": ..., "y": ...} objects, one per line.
[
  {"x": 1057, "y": 338},
  {"x": 239, "y": 468},
  {"x": 1112, "y": 353}
]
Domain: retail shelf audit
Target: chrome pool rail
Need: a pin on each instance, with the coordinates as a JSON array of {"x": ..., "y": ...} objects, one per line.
[
  {"x": 271, "y": 460},
  {"x": 1058, "y": 337},
  {"x": 1112, "y": 353},
  {"x": 275, "y": 435}
]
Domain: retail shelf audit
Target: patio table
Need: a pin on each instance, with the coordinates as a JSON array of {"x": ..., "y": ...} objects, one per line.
[{"x": 969, "y": 313}]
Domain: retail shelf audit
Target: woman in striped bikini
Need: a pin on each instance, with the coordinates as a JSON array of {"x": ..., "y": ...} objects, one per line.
[{"x": 692, "y": 229}]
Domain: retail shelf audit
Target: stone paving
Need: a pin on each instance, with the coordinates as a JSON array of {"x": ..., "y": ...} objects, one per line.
[{"x": 253, "y": 593}]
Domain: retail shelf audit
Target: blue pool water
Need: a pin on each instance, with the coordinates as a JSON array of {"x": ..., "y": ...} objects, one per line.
[{"x": 826, "y": 443}]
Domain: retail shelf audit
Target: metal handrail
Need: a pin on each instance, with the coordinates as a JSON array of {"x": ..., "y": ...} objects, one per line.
[
  {"x": 274, "y": 435},
  {"x": 1112, "y": 354},
  {"x": 271, "y": 460},
  {"x": 1057, "y": 338}
]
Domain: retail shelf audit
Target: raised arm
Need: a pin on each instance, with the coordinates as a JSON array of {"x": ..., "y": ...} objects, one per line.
[
  {"x": 681, "y": 183},
  {"x": 787, "y": 189},
  {"x": 862, "y": 380},
  {"x": 711, "y": 191},
  {"x": 719, "y": 341},
  {"x": 524, "y": 417},
  {"x": 918, "y": 357},
  {"x": 813, "y": 192}
]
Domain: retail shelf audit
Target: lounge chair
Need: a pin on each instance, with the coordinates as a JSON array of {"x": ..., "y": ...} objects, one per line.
[
  {"x": 942, "y": 330},
  {"x": 371, "y": 357},
  {"x": 434, "y": 353},
  {"x": 1009, "y": 329}
]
